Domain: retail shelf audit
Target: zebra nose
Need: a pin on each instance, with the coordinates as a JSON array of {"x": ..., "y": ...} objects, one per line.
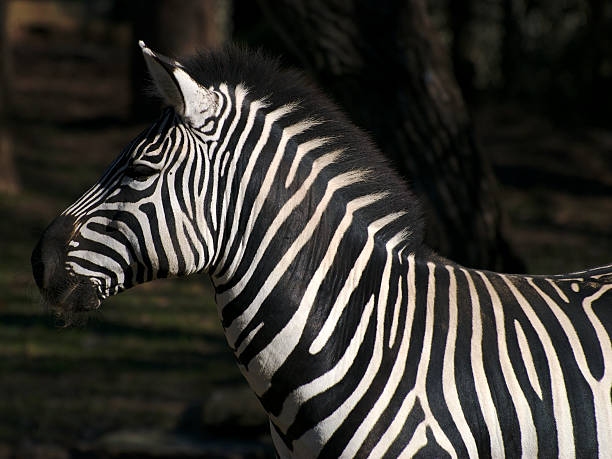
[{"x": 49, "y": 253}]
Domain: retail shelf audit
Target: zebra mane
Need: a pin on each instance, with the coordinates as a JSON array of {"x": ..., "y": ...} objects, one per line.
[{"x": 266, "y": 80}]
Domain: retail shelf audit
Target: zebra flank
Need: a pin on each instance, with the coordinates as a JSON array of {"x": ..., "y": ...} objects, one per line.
[{"x": 357, "y": 339}]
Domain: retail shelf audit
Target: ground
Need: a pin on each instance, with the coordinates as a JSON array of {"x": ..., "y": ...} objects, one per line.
[{"x": 155, "y": 357}]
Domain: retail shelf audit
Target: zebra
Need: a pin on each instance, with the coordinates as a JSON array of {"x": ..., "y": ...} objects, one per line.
[{"x": 358, "y": 340}]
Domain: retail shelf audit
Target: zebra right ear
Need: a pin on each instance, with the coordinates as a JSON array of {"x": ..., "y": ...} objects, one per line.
[
  {"x": 178, "y": 88},
  {"x": 161, "y": 69}
]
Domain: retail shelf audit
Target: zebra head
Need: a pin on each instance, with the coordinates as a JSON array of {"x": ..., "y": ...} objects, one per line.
[
  {"x": 246, "y": 160},
  {"x": 144, "y": 219}
]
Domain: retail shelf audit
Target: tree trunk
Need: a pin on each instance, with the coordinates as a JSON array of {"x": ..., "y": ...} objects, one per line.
[
  {"x": 512, "y": 48},
  {"x": 174, "y": 28},
  {"x": 460, "y": 16},
  {"x": 385, "y": 65},
  {"x": 8, "y": 175}
]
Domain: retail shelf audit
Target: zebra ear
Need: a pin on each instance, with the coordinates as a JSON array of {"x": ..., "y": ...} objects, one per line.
[{"x": 190, "y": 99}]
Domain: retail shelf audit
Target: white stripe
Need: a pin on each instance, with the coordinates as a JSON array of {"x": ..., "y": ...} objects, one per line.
[
  {"x": 327, "y": 380},
  {"x": 420, "y": 387},
  {"x": 269, "y": 120},
  {"x": 267, "y": 184},
  {"x": 239, "y": 324},
  {"x": 202, "y": 164},
  {"x": 100, "y": 190},
  {"x": 163, "y": 230},
  {"x": 240, "y": 93},
  {"x": 418, "y": 440},
  {"x": 561, "y": 408},
  {"x": 421, "y": 382},
  {"x": 106, "y": 240},
  {"x": 149, "y": 246},
  {"x": 110, "y": 175},
  {"x": 93, "y": 275},
  {"x": 321, "y": 433},
  {"x": 303, "y": 149},
  {"x": 532, "y": 374},
  {"x": 600, "y": 388},
  {"x": 397, "y": 372},
  {"x": 285, "y": 211},
  {"x": 100, "y": 260},
  {"x": 396, "y": 310},
  {"x": 601, "y": 391},
  {"x": 449, "y": 383},
  {"x": 481, "y": 384},
  {"x": 558, "y": 290},
  {"x": 351, "y": 283},
  {"x": 248, "y": 340},
  {"x": 188, "y": 187},
  {"x": 269, "y": 359},
  {"x": 215, "y": 190},
  {"x": 97, "y": 193},
  {"x": 221, "y": 120},
  {"x": 398, "y": 422},
  {"x": 181, "y": 221},
  {"x": 396, "y": 426},
  {"x": 528, "y": 433}
]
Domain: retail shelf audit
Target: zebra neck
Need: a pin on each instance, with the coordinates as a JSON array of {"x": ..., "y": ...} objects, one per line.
[
  {"x": 286, "y": 304},
  {"x": 342, "y": 323}
]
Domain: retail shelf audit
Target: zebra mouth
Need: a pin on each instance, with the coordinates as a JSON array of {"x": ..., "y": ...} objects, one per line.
[{"x": 75, "y": 296}]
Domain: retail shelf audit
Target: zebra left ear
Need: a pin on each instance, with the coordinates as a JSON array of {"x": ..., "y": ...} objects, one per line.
[{"x": 190, "y": 99}]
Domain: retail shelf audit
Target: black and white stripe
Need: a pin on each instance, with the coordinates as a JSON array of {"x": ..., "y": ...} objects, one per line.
[{"x": 356, "y": 338}]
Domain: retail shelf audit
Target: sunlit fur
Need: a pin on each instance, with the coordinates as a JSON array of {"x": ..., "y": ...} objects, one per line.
[{"x": 356, "y": 338}]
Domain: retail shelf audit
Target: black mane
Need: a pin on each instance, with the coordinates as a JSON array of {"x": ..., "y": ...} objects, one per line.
[{"x": 265, "y": 79}]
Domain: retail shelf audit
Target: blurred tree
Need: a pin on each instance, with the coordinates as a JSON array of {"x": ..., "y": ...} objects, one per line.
[
  {"x": 460, "y": 16},
  {"x": 557, "y": 54},
  {"x": 175, "y": 28},
  {"x": 8, "y": 174},
  {"x": 511, "y": 47},
  {"x": 597, "y": 44},
  {"x": 386, "y": 66}
]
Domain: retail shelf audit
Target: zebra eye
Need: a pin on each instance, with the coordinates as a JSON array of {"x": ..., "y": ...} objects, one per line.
[{"x": 140, "y": 171}]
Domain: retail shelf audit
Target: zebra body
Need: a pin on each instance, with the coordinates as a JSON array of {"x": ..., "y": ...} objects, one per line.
[{"x": 357, "y": 339}]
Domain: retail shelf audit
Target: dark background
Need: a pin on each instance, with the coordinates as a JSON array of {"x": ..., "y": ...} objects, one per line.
[{"x": 498, "y": 112}]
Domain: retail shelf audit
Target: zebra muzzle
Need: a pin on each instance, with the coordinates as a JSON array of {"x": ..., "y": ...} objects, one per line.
[{"x": 60, "y": 289}]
